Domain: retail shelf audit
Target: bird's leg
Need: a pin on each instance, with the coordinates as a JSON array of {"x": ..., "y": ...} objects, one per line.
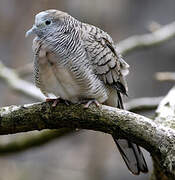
[
  {"x": 56, "y": 101},
  {"x": 89, "y": 102}
]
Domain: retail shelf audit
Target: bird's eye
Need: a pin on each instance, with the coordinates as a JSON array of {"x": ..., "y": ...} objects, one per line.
[{"x": 47, "y": 22}]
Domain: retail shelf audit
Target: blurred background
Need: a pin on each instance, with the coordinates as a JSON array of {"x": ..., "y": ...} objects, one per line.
[{"x": 86, "y": 155}]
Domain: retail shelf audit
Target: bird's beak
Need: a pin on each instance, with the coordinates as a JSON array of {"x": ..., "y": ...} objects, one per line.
[{"x": 30, "y": 31}]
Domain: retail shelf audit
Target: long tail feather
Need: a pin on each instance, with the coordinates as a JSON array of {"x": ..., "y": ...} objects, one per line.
[
  {"x": 132, "y": 156},
  {"x": 131, "y": 153}
]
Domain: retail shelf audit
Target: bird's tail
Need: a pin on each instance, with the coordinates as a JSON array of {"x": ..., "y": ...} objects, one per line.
[{"x": 131, "y": 153}]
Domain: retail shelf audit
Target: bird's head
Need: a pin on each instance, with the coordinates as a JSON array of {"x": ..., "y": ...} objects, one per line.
[{"x": 47, "y": 21}]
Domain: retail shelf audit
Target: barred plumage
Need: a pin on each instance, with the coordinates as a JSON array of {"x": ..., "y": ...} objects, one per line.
[{"x": 77, "y": 61}]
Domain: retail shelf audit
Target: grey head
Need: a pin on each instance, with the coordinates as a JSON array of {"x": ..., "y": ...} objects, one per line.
[{"x": 47, "y": 22}]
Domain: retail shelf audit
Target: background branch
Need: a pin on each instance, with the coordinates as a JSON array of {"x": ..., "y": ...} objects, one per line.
[
  {"x": 10, "y": 77},
  {"x": 25, "y": 70},
  {"x": 157, "y": 37},
  {"x": 142, "y": 104},
  {"x": 165, "y": 76},
  {"x": 28, "y": 141},
  {"x": 165, "y": 116}
]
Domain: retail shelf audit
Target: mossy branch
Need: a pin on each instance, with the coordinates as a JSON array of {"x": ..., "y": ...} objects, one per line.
[{"x": 157, "y": 139}]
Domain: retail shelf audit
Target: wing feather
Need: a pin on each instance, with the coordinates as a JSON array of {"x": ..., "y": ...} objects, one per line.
[{"x": 106, "y": 61}]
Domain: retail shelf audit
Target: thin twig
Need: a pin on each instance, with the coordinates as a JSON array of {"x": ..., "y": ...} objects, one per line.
[
  {"x": 32, "y": 140},
  {"x": 158, "y": 37},
  {"x": 10, "y": 77},
  {"x": 142, "y": 104},
  {"x": 165, "y": 76}
]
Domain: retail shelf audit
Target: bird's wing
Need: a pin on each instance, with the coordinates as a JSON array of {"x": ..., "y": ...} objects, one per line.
[{"x": 106, "y": 61}]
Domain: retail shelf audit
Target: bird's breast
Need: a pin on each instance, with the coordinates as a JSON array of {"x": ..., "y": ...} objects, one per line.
[
  {"x": 57, "y": 79},
  {"x": 61, "y": 81}
]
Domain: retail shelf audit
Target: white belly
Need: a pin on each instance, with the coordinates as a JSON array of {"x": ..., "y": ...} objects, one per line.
[
  {"x": 56, "y": 79},
  {"x": 60, "y": 82}
]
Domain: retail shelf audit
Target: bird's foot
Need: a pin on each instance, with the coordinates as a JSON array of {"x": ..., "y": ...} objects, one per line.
[
  {"x": 56, "y": 101},
  {"x": 94, "y": 101}
]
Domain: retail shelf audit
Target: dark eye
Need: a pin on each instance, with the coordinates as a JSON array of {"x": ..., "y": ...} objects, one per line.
[{"x": 47, "y": 22}]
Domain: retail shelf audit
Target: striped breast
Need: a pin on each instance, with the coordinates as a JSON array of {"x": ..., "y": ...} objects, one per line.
[{"x": 68, "y": 81}]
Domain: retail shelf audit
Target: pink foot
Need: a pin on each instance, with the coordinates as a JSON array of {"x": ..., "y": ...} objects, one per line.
[
  {"x": 90, "y": 102},
  {"x": 55, "y": 101}
]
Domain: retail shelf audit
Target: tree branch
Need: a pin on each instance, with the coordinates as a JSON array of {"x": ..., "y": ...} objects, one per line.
[
  {"x": 25, "y": 70},
  {"x": 28, "y": 141},
  {"x": 142, "y": 104},
  {"x": 165, "y": 115},
  {"x": 10, "y": 77},
  {"x": 156, "y": 138},
  {"x": 165, "y": 76},
  {"x": 157, "y": 37}
]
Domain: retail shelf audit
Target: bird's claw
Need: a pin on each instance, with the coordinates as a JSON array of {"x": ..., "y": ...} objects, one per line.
[
  {"x": 90, "y": 102},
  {"x": 56, "y": 101}
]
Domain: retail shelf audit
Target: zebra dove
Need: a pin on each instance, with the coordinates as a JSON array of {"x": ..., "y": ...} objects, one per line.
[{"x": 79, "y": 62}]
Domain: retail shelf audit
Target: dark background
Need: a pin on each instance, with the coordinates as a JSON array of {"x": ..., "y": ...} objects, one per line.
[{"x": 87, "y": 155}]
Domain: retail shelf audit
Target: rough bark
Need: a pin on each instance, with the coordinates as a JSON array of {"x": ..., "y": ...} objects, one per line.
[
  {"x": 165, "y": 115},
  {"x": 155, "y": 138}
]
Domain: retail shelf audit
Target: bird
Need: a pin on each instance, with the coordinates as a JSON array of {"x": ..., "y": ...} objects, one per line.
[{"x": 79, "y": 62}]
